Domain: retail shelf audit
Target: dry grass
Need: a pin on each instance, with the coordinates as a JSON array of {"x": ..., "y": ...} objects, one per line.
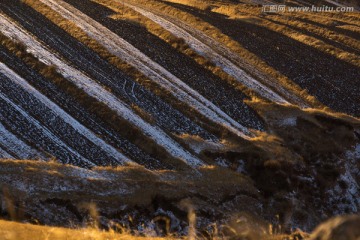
[
  {"x": 351, "y": 28},
  {"x": 20, "y": 231},
  {"x": 328, "y": 22},
  {"x": 128, "y": 185},
  {"x": 289, "y": 20},
  {"x": 282, "y": 111},
  {"x": 72, "y": 29},
  {"x": 99, "y": 109},
  {"x": 281, "y": 25},
  {"x": 200, "y": 4},
  {"x": 229, "y": 10},
  {"x": 76, "y": 32},
  {"x": 143, "y": 114},
  {"x": 315, "y": 43},
  {"x": 212, "y": 183},
  {"x": 251, "y": 61},
  {"x": 179, "y": 44},
  {"x": 276, "y": 115},
  {"x": 350, "y": 18},
  {"x": 237, "y": 10}
]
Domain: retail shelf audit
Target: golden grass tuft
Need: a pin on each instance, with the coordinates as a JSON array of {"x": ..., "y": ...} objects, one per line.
[
  {"x": 200, "y": 4},
  {"x": 20, "y": 231}
]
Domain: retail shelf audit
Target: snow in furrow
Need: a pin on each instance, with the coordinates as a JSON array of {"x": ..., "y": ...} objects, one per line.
[
  {"x": 209, "y": 53},
  {"x": 44, "y": 130},
  {"x": 16, "y": 146},
  {"x": 63, "y": 115},
  {"x": 96, "y": 91},
  {"x": 121, "y": 48},
  {"x": 233, "y": 59},
  {"x": 5, "y": 155},
  {"x": 165, "y": 116}
]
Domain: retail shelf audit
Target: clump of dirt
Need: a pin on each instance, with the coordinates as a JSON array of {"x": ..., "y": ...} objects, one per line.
[{"x": 301, "y": 165}]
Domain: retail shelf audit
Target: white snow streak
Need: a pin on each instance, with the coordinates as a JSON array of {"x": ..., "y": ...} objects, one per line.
[
  {"x": 15, "y": 145},
  {"x": 5, "y": 155},
  {"x": 96, "y": 91},
  {"x": 44, "y": 130},
  {"x": 119, "y": 47},
  {"x": 290, "y": 121},
  {"x": 208, "y": 52},
  {"x": 55, "y": 109}
]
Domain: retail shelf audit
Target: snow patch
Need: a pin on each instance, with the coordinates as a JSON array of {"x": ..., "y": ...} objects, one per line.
[
  {"x": 92, "y": 88},
  {"x": 182, "y": 31},
  {"x": 44, "y": 130},
  {"x": 291, "y": 121},
  {"x": 14, "y": 145},
  {"x": 62, "y": 114},
  {"x": 119, "y": 47}
]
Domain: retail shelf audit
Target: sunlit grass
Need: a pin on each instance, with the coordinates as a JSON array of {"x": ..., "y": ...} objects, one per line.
[
  {"x": 250, "y": 59},
  {"x": 20, "y": 231}
]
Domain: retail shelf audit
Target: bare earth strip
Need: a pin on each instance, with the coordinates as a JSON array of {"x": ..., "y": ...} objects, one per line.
[
  {"x": 205, "y": 47},
  {"x": 95, "y": 90},
  {"x": 5, "y": 155},
  {"x": 45, "y": 131},
  {"x": 144, "y": 64},
  {"x": 14, "y": 146},
  {"x": 63, "y": 115}
]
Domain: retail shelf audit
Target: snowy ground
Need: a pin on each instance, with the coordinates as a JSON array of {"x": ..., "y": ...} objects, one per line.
[
  {"x": 97, "y": 91},
  {"x": 208, "y": 48},
  {"x": 13, "y": 147},
  {"x": 59, "y": 113},
  {"x": 154, "y": 71}
]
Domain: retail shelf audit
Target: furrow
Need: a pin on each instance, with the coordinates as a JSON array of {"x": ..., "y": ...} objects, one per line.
[
  {"x": 46, "y": 132},
  {"x": 207, "y": 50},
  {"x": 144, "y": 64},
  {"x": 57, "y": 111},
  {"x": 95, "y": 90},
  {"x": 12, "y": 146}
]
